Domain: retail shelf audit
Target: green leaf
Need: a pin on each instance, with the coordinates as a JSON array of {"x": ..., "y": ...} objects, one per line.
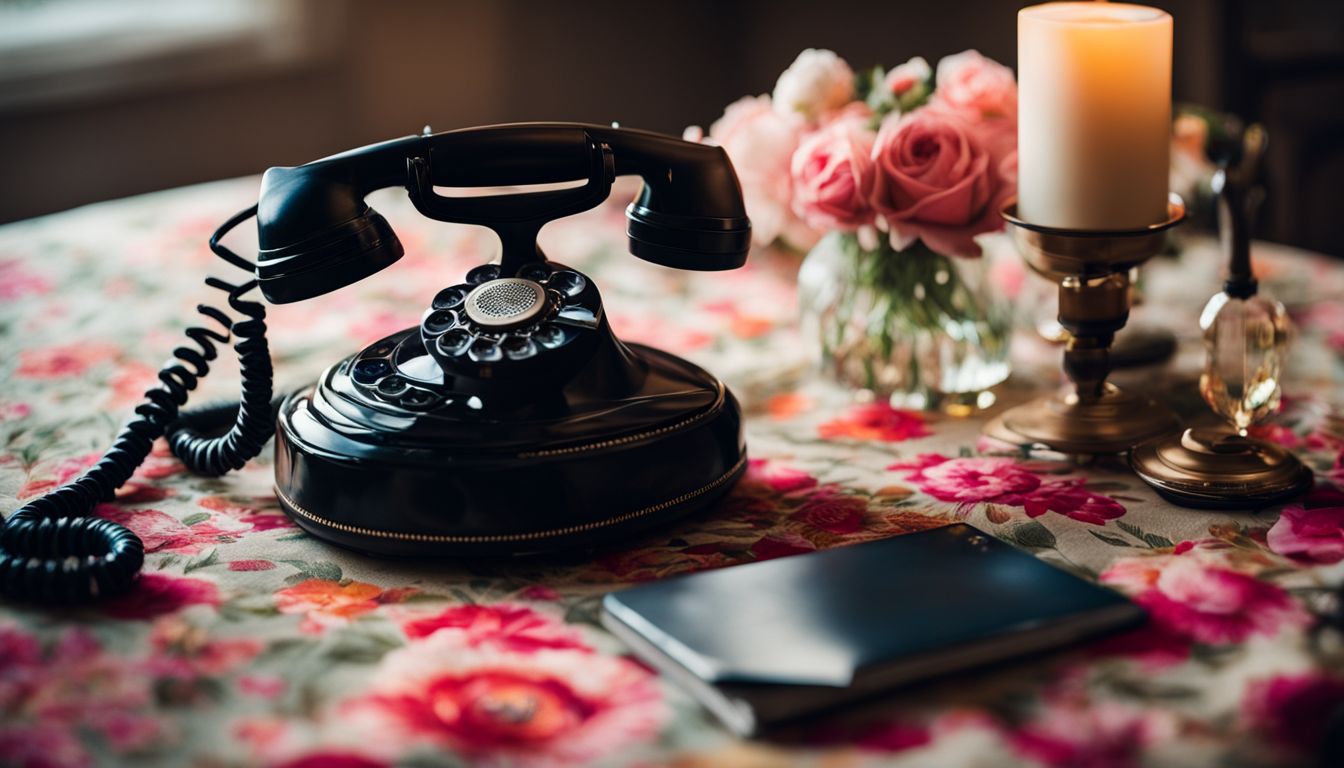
[
  {"x": 1114, "y": 541},
  {"x": 1157, "y": 542},
  {"x": 1130, "y": 528},
  {"x": 199, "y": 517},
  {"x": 360, "y": 647},
  {"x": 1153, "y": 540},
  {"x": 203, "y": 562},
  {"x": 1033, "y": 535},
  {"x": 322, "y": 569}
]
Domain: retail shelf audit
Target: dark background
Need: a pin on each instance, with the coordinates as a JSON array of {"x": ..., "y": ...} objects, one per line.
[{"x": 333, "y": 74}]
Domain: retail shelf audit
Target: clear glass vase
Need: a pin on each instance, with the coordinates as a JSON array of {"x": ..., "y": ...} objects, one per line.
[{"x": 916, "y": 327}]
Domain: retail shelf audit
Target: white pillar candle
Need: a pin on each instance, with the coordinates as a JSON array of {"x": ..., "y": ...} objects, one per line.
[{"x": 1094, "y": 115}]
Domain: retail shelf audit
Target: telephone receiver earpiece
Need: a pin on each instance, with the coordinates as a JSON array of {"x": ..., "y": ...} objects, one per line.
[{"x": 316, "y": 234}]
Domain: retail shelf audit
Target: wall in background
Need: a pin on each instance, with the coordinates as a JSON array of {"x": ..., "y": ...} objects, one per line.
[{"x": 374, "y": 70}]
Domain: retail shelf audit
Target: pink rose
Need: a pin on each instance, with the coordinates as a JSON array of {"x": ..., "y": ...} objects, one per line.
[
  {"x": 780, "y": 545},
  {"x": 761, "y": 143},
  {"x": 983, "y": 87},
  {"x": 1207, "y": 604},
  {"x": 1071, "y": 730},
  {"x": 1292, "y": 711},
  {"x": 763, "y": 472},
  {"x": 976, "y": 479},
  {"x": 936, "y": 182},
  {"x": 511, "y": 627},
  {"x": 817, "y": 82},
  {"x": 1315, "y": 535},
  {"x": 901, "y": 79},
  {"x": 1069, "y": 498},
  {"x": 494, "y": 705},
  {"x": 158, "y": 594},
  {"x": 833, "y": 177},
  {"x": 833, "y": 513}
]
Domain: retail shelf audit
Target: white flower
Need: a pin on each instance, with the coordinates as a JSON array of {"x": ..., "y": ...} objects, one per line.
[{"x": 817, "y": 82}]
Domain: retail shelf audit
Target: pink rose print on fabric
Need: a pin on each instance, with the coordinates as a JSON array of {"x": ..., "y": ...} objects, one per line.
[
  {"x": 13, "y": 411},
  {"x": 163, "y": 533},
  {"x": 492, "y": 704},
  {"x": 1071, "y": 731},
  {"x": 767, "y": 474},
  {"x": 1154, "y": 646},
  {"x": 1069, "y": 498},
  {"x": 1292, "y": 711},
  {"x": 17, "y": 282},
  {"x": 833, "y": 512},
  {"x": 1312, "y": 535},
  {"x": 158, "y": 594},
  {"x": 876, "y": 421},
  {"x": 971, "y": 480},
  {"x": 257, "y": 518},
  {"x": 135, "y": 491},
  {"x": 1204, "y": 602},
  {"x": 330, "y": 759},
  {"x": 510, "y": 627},
  {"x": 780, "y": 544},
  {"x": 53, "y": 696},
  {"x": 64, "y": 360},
  {"x": 185, "y": 652},
  {"x": 251, "y": 565}
]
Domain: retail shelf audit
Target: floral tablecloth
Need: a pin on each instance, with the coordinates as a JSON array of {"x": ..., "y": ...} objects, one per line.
[{"x": 248, "y": 643}]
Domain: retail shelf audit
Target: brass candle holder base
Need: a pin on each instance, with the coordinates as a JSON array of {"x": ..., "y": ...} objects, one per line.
[
  {"x": 1092, "y": 270},
  {"x": 1112, "y": 423},
  {"x": 1218, "y": 468}
]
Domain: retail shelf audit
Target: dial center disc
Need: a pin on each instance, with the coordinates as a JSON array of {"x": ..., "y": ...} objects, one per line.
[{"x": 505, "y": 303}]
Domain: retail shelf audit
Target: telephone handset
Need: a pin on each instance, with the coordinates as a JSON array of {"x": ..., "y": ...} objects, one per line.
[{"x": 511, "y": 420}]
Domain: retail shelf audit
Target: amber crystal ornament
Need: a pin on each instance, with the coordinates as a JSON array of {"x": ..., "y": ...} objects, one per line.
[{"x": 1246, "y": 338}]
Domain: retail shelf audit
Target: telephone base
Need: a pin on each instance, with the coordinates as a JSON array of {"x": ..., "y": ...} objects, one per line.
[{"x": 455, "y": 486}]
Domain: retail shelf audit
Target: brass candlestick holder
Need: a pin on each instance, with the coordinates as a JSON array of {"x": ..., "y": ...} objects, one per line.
[{"x": 1092, "y": 269}]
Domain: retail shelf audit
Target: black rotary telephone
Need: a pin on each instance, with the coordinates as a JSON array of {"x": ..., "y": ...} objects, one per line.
[{"x": 510, "y": 421}]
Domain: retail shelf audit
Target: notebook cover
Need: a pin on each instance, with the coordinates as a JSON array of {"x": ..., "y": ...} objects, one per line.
[{"x": 826, "y": 620}]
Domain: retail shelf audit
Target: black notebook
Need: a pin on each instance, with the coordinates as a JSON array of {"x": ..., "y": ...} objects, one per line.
[{"x": 762, "y": 643}]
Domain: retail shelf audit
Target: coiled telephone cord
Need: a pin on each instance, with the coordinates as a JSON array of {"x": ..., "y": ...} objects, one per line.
[{"x": 52, "y": 551}]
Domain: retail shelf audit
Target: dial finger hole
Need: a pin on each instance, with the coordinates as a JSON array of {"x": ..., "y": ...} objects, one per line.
[
  {"x": 450, "y": 298},
  {"x": 518, "y": 347},
  {"x": 535, "y": 272},
  {"x": 550, "y": 336},
  {"x": 568, "y": 283},
  {"x": 393, "y": 385},
  {"x": 483, "y": 273},
  {"x": 440, "y": 320},
  {"x": 485, "y": 351},
  {"x": 370, "y": 371},
  {"x": 454, "y": 342}
]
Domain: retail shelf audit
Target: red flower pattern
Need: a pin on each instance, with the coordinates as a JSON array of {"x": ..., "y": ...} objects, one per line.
[
  {"x": 1204, "y": 602},
  {"x": 876, "y": 421},
  {"x": 1314, "y": 535},
  {"x": 832, "y": 512},
  {"x": 158, "y": 594},
  {"x": 970, "y": 480},
  {"x": 1293, "y": 711},
  {"x": 512, "y": 627},
  {"x": 488, "y": 699}
]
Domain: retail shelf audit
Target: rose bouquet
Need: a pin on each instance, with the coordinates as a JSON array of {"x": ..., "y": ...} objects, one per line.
[{"x": 888, "y": 177}]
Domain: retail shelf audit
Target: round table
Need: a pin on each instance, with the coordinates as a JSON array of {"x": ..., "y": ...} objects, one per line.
[{"x": 247, "y": 642}]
